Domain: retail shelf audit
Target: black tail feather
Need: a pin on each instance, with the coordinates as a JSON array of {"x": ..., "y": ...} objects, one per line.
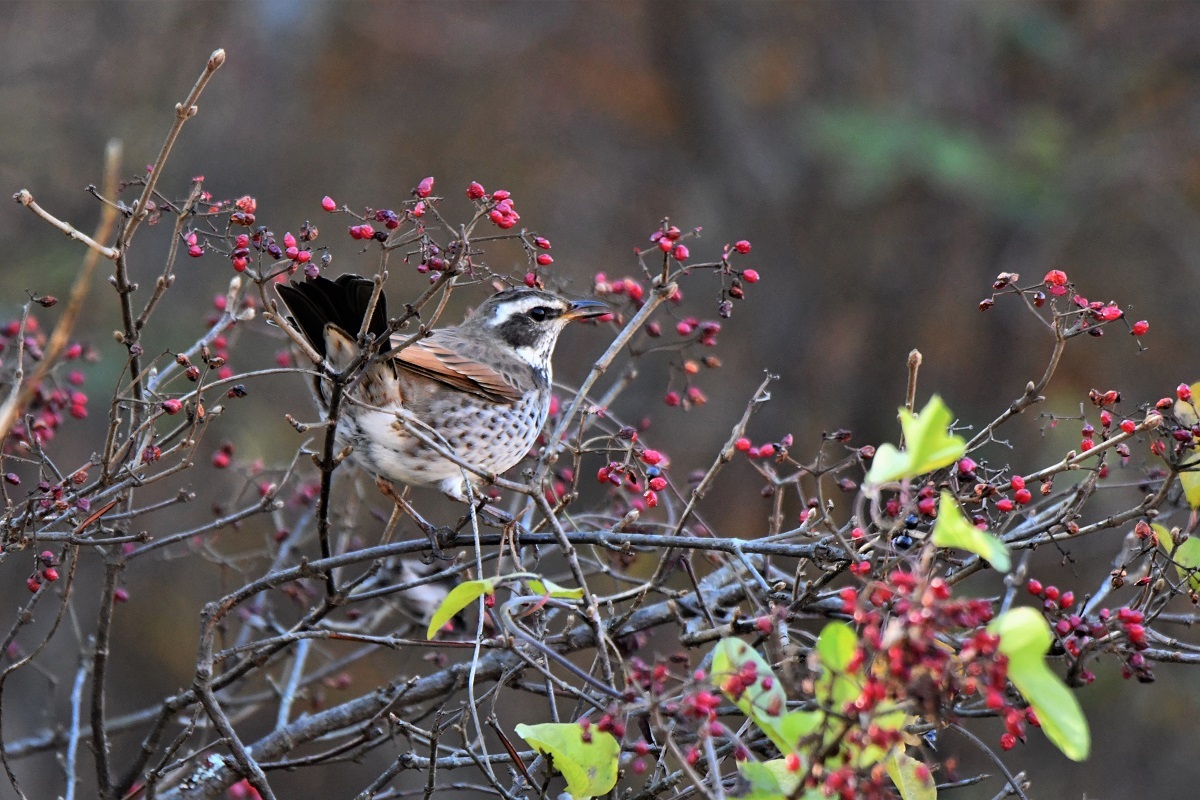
[{"x": 317, "y": 302}]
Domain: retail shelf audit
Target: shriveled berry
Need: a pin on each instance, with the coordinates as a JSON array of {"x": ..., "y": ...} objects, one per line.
[{"x": 171, "y": 406}]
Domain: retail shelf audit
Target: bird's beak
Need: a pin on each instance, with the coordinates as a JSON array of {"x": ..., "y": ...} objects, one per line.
[{"x": 586, "y": 309}]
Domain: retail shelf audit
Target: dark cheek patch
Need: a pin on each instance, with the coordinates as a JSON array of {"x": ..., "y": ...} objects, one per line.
[{"x": 519, "y": 331}]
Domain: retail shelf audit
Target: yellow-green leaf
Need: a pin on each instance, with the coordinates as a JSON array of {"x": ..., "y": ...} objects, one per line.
[
  {"x": 552, "y": 589},
  {"x": 590, "y": 768},
  {"x": 1025, "y": 638},
  {"x": 1186, "y": 555},
  {"x": 952, "y": 529},
  {"x": 764, "y": 701},
  {"x": 1189, "y": 474},
  {"x": 928, "y": 445},
  {"x": 836, "y": 645},
  {"x": 455, "y": 601},
  {"x": 911, "y": 777}
]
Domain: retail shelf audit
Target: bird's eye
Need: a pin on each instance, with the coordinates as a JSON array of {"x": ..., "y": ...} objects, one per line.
[{"x": 539, "y": 313}]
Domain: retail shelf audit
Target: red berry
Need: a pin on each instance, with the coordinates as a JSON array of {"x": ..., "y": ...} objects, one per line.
[
  {"x": 33, "y": 583},
  {"x": 171, "y": 406},
  {"x": 1051, "y": 593},
  {"x": 50, "y": 574},
  {"x": 1022, "y": 496},
  {"x": 425, "y": 187},
  {"x": 1018, "y": 482},
  {"x": 328, "y": 203},
  {"x": 651, "y": 457},
  {"x": 742, "y": 246},
  {"x": 541, "y": 243},
  {"x": 1140, "y": 327},
  {"x": 1128, "y": 425},
  {"x": 1183, "y": 392},
  {"x": 501, "y": 194},
  {"x": 742, "y": 444},
  {"x": 475, "y": 191},
  {"x": 764, "y": 624},
  {"x": 671, "y": 398},
  {"x": 530, "y": 280},
  {"x": 658, "y": 483},
  {"x": 750, "y": 275},
  {"x": 220, "y": 459},
  {"x": 1004, "y": 505},
  {"x": 545, "y": 259},
  {"x": 195, "y": 251},
  {"x": 680, "y": 253}
]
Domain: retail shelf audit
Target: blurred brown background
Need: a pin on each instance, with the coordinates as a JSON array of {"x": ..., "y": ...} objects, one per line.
[{"x": 886, "y": 159}]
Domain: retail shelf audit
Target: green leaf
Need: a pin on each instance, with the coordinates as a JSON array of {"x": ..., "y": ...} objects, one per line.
[
  {"x": 552, "y": 589},
  {"x": 455, "y": 601},
  {"x": 590, "y": 768},
  {"x": 1025, "y": 638},
  {"x": 903, "y": 770},
  {"x": 1186, "y": 555},
  {"x": 928, "y": 444},
  {"x": 765, "y": 705},
  {"x": 1189, "y": 473},
  {"x": 836, "y": 646},
  {"x": 952, "y": 529}
]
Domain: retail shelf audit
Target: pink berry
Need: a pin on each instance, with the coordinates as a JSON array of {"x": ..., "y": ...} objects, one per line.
[
  {"x": 195, "y": 251},
  {"x": 328, "y": 203},
  {"x": 425, "y": 187},
  {"x": 220, "y": 459}
]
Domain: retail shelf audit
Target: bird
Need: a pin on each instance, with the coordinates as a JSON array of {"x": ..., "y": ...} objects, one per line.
[{"x": 480, "y": 389}]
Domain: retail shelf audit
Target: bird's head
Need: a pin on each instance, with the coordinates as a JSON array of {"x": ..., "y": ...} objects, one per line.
[{"x": 530, "y": 320}]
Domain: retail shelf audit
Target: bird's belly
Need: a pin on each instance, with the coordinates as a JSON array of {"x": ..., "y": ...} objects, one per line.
[{"x": 491, "y": 438}]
